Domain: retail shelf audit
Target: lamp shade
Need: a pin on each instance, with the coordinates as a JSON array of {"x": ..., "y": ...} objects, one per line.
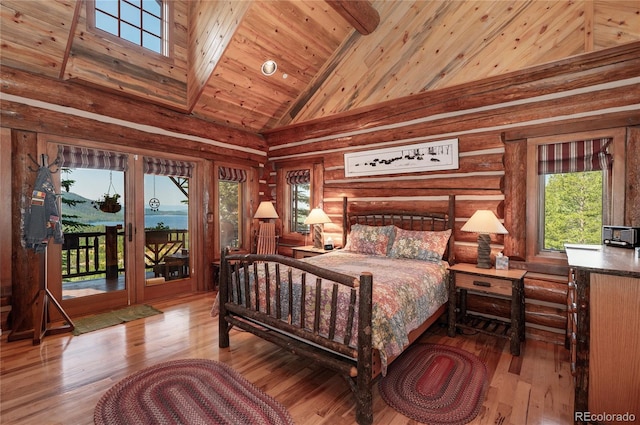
[
  {"x": 485, "y": 222},
  {"x": 266, "y": 210},
  {"x": 317, "y": 216}
]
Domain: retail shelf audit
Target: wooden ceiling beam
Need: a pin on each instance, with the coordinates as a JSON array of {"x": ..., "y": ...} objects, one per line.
[{"x": 358, "y": 13}]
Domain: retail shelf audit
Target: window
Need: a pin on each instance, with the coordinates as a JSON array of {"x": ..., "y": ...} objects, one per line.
[
  {"x": 572, "y": 184},
  {"x": 299, "y": 182},
  {"x": 142, "y": 22},
  {"x": 230, "y": 196},
  {"x": 299, "y": 188},
  {"x": 574, "y": 180}
]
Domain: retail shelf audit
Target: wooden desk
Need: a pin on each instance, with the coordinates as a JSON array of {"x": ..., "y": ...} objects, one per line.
[{"x": 604, "y": 320}]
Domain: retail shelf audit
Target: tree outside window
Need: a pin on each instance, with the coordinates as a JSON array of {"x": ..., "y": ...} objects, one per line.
[
  {"x": 300, "y": 206},
  {"x": 572, "y": 209}
]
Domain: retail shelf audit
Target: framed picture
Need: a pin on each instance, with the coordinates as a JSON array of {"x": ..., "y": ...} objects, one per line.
[{"x": 428, "y": 156}]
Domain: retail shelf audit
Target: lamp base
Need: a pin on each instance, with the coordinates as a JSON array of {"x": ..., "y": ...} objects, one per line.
[
  {"x": 484, "y": 251},
  {"x": 317, "y": 236}
]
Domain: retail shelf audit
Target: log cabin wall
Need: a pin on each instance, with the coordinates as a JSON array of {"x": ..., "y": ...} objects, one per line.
[
  {"x": 491, "y": 120},
  {"x": 32, "y": 110},
  {"x": 416, "y": 47}
]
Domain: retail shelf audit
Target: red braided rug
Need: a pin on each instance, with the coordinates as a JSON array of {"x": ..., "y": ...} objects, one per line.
[
  {"x": 190, "y": 391},
  {"x": 436, "y": 384}
]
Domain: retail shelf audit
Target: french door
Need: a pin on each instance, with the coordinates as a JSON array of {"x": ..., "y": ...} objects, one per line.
[{"x": 126, "y": 220}]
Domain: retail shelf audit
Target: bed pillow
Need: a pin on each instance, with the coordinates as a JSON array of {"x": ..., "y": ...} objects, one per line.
[
  {"x": 420, "y": 245},
  {"x": 371, "y": 240}
]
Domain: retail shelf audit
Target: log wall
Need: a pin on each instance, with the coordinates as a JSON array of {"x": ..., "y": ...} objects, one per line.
[
  {"x": 33, "y": 106},
  {"x": 491, "y": 120}
]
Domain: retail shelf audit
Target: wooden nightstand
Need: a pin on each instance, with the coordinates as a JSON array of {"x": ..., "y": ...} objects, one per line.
[
  {"x": 506, "y": 284},
  {"x": 307, "y": 251}
]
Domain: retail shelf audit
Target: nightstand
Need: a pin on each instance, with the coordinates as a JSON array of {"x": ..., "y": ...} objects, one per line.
[
  {"x": 307, "y": 251},
  {"x": 505, "y": 284}
]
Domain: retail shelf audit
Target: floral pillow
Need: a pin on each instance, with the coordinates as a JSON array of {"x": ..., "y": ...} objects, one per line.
[
  {"x": 371, "y": 240},
  {"x": 420, "y": 245}
]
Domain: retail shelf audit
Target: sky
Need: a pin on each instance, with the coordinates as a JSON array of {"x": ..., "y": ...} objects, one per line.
[{"x": 93, "y": 184}]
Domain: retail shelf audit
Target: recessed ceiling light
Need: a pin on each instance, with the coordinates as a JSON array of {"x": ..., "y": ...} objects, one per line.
[{"x": 269, "y": 67}]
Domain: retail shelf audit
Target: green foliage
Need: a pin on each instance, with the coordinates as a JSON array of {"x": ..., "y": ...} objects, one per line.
[
  {"x": 301, "y": 196},
  {"x": 70, "y": 222},
  {"x": 229, "y": 202},
  {"x": 82, "y": 209},
  {"x": 573, "y": 209},
  {"x": 159, "y": 226}
]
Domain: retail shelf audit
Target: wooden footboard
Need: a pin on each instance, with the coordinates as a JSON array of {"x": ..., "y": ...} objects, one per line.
[
  {"x": 321, "y": 333},
  {"x": 286, "y": 322}
]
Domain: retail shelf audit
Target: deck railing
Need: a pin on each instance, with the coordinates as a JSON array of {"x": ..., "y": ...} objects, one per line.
[{"x": 102, "y": 253}]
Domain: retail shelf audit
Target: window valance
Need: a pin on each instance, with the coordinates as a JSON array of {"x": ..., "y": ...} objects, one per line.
[
  {"x": 82, "y": 157},
  {"x": 571, "y": 157},
  {"x": 229, "y": 174},
  {"x": 298, "y": 176},
  {"x": 167, "y": 167}
]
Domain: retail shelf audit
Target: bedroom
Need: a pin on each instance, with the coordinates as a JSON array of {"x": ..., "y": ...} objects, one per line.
[{"x": 492, "y": 108}]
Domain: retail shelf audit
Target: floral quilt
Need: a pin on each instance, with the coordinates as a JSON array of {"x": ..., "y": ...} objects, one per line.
[{"x": 406, "y": 293}]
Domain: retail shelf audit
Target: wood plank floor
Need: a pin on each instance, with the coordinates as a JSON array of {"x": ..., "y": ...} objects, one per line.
[{"x": 61, "y": 380}]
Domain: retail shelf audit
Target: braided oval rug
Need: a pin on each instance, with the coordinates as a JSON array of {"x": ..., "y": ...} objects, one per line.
[
  {"x": 189, "y": 391},
  {"x": 436, "y": 384}
]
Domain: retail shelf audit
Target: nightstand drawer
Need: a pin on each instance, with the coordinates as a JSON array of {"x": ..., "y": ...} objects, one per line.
[{"x": 484, "y": 283}]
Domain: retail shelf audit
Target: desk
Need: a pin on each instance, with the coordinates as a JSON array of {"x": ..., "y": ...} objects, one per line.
[{"x": 604, "y": 320}]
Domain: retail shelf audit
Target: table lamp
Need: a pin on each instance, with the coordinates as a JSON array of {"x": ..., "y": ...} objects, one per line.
[
  {"x": 266, "y": 210},
  {"x": 317, "y": 218},
  {"x": 484, "y": 223}
]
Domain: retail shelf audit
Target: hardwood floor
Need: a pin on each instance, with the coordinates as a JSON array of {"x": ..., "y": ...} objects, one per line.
[{"x": 61, "y": 380}]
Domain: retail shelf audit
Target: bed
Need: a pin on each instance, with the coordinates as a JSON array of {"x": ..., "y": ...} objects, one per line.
[{"x": 353, "y": 310}]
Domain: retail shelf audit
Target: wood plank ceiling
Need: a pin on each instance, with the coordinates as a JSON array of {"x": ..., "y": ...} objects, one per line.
[{"x": 333, "y": 56}]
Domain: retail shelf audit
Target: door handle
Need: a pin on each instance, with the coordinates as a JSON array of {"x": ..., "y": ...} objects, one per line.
[{"x": 130, "y": 232}]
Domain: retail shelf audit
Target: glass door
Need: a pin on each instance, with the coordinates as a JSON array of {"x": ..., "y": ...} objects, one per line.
[
  {"x": 92, "y": 258},
  {"x": 166, "y": 227},
  {"x": 167, "y": 246},
  {"x": 126, "y": 228}
]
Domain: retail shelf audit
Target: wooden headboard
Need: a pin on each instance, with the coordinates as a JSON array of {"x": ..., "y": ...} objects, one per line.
[{"x": 408, "y": 220}]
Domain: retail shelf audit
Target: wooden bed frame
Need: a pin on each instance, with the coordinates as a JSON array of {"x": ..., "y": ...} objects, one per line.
[{"x": 360, "y": 366}]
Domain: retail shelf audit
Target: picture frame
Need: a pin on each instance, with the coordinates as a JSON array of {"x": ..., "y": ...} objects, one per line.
[{"x": 421, "y": 157}]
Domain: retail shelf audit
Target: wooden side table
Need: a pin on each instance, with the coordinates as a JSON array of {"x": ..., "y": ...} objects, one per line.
[
  {"x": 506, "y": 284},
  {"x": 307, "y": 251}
]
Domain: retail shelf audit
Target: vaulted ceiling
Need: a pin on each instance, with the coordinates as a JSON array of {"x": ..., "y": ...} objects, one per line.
[{"x": 333, "y": 56}]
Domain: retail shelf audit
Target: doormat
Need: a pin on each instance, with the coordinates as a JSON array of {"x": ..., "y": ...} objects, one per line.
[{"x": 112, "y": 318}]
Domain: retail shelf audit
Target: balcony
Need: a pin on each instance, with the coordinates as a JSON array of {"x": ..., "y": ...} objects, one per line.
[{"x": 93, "y": 262}]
